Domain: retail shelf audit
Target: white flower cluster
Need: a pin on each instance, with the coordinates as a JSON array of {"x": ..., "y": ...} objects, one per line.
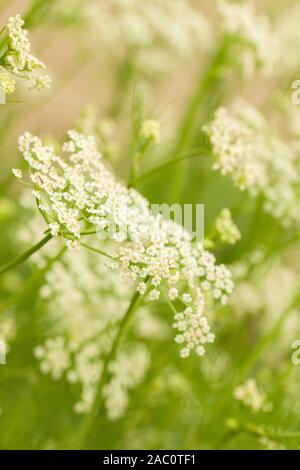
[
  {"x": 189, "y": 271},
  {"x": 156, "y": 34},
  {"x": 17, "y": 59},
  {"x": 54, "y": 357},
  {"x": 104, "y": 129},
  {"x": 58, "y": 359},
  {"x": 246, "y": 299},
  {"x": 193, "y": 328},
  {"x": 76, "y": 194},
  {"x": 250, "y": 396},
  {"x": 7, "y": 83},
  {"x": 244, "y": 148},
  {"x": 85, "y": 332},
  {"x": 287, "y": 37},
  {"x": 226, "y": 229},
  {"x": 253, "y": 33},
  {"x": 127, "y": 371},
  {"x": 269, "y": 289},
  {"x": 80, "y": 334},
  {"x": 151, "y": 130}
]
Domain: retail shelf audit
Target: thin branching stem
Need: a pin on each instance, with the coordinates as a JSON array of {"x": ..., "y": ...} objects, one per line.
[
  {"x": 138, "y": 155},
  {"x": 207, "y": 86},
  {"x": 96, "y": 250},
  {"x": 24, "y": 256},
  {"x": 259, "y": 432},
  {"x": 28, "y": 283},
  {"x": 256, "y": 353},
  {"x": 98, "y": 401},
  {"x": 181, "y": 157},
  {"x": 268, "y": 338}
]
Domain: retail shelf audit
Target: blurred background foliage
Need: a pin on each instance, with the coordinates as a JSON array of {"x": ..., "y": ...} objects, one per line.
[{"x": 106, "y": 82}]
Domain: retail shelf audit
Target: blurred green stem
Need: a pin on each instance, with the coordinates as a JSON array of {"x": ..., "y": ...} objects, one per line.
[
  {"x": 180, "y": 158},
  {"x": 27, "y": 284},
  {"x": 98, "y": 401},
  {"x": 24, "y": 256},
  {"x": 96, "y": 250},
  {"x": 137, "y": 157},
  {"x": 39, "y": 9},
  {"x": 258, "y": 431},
  {"x": 268, "y": 338},
  {"x": 256, "y": 353},
  {"x": 124, "y": 76},
  {"x": 207, "y": 85}
]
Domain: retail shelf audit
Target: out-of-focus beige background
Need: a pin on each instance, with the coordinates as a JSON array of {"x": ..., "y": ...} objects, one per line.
[{"x": 82, "y": 75}]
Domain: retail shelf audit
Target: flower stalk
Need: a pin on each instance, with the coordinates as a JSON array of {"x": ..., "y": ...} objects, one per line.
[
  {"x": 207, "y": 86},
  {"x": 98, "y": 401},
  {"x": 24, "y": 256}
]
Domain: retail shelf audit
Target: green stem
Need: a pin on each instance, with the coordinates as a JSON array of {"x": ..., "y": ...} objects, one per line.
[
  {"x": 3, "y": 47},
  {"x": 266, "y": 340},
  {"x": 168, "y": 163},
  {"x": 96, "y": 250},
  {"x": 24, "y": 256},
  {"x": 207, "y": 85},
  {"x": 37, "y": 11},
  {"x": 124, "y": 77},
  {"x": 254, "y": 356},
  {"x": 30, "y": 282},
  {"x": 98, "y": 401},
  {"x": 257, "y": 431},
  {"x": 136, "y": 163}
]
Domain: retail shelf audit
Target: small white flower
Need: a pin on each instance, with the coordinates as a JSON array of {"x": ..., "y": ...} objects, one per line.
[
  {"x": 17, "y": 173},
  {"x": 185, "y": 352},
  {"x": 200, "y": 351},
  {"x": 7, "y": 83},
  {"x": 54, "y": 228},
  {"x": 251, "y": 397},
  {"x": 40, "y": 82},
  {"x": 154, "y": 294},
  {"x": 18, "y": 59},
  {"x": 173, "y": 293},
  {"x": 226, "y": 228},
  {"x": 151, "y": 130},
  {"x": 39, "y": 352},
  {"x": 73, "y": 245},
  {"x": 36, "y": 194},
  {"x": 141, "y": 288},
  {"x": 187, "y": 298}
]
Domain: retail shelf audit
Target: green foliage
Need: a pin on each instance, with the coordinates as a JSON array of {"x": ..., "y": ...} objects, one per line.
[{"x": 91, "y": 359}]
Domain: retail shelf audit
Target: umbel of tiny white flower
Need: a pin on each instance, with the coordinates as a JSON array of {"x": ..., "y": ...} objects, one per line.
[
  {"x": 83, "y": 332},
  {"x": 17, "y": 173},
  {"x": 159, "y": 34},
  {"x": 151, "y": 130},
  {"x": 226, "y": 229},
  {"x": 256, "y": 160},
  {"x": 251, "y": 397},
  {"x": 79, "y": 194},
  {"x": 7, "y": 83},
  {"x": 251, "y": 33},
  {"x": 127, "y": 371},
  {"x": 17, "y": 59}
]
